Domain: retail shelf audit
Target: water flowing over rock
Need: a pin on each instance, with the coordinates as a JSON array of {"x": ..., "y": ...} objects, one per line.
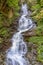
[{"x": 16, "y": 53}]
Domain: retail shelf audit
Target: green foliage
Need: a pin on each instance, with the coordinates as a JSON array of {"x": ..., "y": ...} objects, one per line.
[
  {"x": 36, "y": 7},
  {"x": 4, "y": 32},
  {"x": 37, "y": 15},
  {"x": 14, "y": 4},
  {"x": 1, "y": 21},
  {"x": 8, "y": 12},
  {"x": 36, "y": 39},
  {"x": 40, "y": 52},
  {"x": 41, "y": 2},
  {"x": 39, "y": 30},
  {"x": 38, "y": 1},
  {"x": 7, "y": 5},
  {"x": 1, "y": 40}
]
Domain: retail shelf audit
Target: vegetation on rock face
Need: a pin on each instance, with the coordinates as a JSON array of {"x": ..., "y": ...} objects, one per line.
[
  {"x": 8, "y": 12},
  {"x": 14, "y": 4},
  {"x": 8, "y": 5},
  {"x": 36, "y": 7}
]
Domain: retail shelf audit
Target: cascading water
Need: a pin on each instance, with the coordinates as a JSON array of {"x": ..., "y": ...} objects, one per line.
[{"x": 16, "y": 54}]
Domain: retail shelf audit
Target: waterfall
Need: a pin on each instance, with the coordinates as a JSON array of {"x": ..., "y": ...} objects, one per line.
[{"x": 16, "y": 53}]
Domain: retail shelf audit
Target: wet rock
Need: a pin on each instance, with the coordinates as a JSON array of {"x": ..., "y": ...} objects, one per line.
[{"x": 29, "y": 33}]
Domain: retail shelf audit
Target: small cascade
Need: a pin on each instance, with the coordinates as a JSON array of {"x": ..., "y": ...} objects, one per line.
[
  {"x": 25, "y": 23},
  {"x": 16, "y": 53}
]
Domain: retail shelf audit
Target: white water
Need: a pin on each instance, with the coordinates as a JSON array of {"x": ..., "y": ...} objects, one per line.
[{"x": 16, "y": 54}]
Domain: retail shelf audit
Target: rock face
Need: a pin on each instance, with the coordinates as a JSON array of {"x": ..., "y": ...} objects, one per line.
[
  {"x": 12, "y": 27},
  {"x": 29, "y": 33}
]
